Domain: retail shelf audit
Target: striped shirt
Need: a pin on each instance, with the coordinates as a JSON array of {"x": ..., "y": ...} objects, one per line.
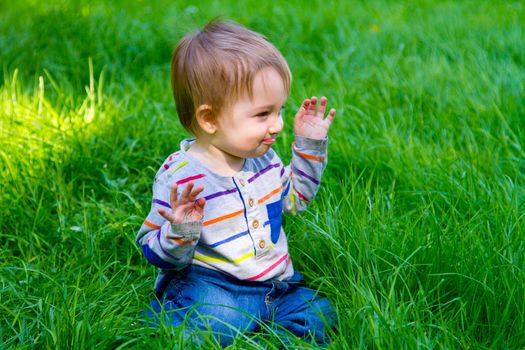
[{"x": 241, "y": 233}]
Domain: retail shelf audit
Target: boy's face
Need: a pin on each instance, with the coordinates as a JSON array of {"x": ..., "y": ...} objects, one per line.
[{"x": 249, "y": 127}]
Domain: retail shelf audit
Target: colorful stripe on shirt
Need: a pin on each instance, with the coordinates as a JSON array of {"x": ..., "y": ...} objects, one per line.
[
  {"x": 161, "y": 202},
  {"x": 183, "y": 163},
  {"x": 221, "y": 218},
  {"x": 151, "y": 225},
  {"x": 223, "y": 260},
  {"x": 268, "y": 168},
  {"x": 306, "y": 155},
  {"x": 219, "y": 194},
  {"x": 229, "y": 239},
  {"x": 191, "y": 178},
  {"x": 305, "y": 175},
  {"x": 270, "y": 268},
  {"x": 302, "y": 196},
  {"x": 273, "y": 192}
]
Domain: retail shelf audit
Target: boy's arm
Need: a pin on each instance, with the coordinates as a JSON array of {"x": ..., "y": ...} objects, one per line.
[
  {"x": 168, "y": 238},
  {"x": 302, "y": 177}
]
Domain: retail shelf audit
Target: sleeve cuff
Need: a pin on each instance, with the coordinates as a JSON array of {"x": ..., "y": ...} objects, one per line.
[
  {"x": 188, "y": 230},
  {"x": 311, "y": 144}
]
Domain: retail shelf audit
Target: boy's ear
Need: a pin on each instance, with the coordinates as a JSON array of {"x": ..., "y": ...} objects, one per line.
[{"x": 206, "y": 119}]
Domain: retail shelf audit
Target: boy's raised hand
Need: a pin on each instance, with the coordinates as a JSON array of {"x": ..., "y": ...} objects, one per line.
[
  {"x": 185, "y": 209},
  {"x": 311, "y": 123}
]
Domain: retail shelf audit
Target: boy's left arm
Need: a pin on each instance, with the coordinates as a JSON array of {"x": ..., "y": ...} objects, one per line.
[{"x": 302, "y": 177}]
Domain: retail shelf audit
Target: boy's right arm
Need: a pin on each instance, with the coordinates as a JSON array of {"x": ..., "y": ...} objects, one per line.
[{"x": 168, "y": 238}]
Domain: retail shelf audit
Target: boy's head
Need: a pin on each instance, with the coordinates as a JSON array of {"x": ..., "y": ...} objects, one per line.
[{"x": 217, "y": 65}]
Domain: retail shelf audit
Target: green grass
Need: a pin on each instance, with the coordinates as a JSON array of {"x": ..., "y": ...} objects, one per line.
[{"x": 416, "y": 236}]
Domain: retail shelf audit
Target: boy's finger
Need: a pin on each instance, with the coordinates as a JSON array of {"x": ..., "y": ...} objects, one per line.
[
  {"x": 165, "y": 214},
  {"x": 198, "y": 190},
  {"x": 173, "y": 196},
  {"x": 186, "y": 192},
  {"x": 201, "y": 202},
  {"x": 313, "y": 105},
  {"x": 300, "y": 112},
  {"x": 331, "y": 115},
  {"x": 306, "y": 103},
  {"x": 303, "y": 109},
  {"x": 195, "y": 193},
  {"x": 322, "y": 107}
]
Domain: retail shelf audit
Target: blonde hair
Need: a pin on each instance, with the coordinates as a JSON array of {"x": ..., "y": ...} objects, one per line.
[{"x": 219, "y": 64}]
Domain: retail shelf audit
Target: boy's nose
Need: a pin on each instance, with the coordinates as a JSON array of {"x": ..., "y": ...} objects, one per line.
[{"x": 276, "y": 126}]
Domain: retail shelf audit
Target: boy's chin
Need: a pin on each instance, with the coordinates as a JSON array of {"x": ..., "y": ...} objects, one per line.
[
  {"x": 263, "y": 149},
  {"x": 259, "y": 152}
]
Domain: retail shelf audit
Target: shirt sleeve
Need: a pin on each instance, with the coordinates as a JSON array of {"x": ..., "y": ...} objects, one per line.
[
  {"x": 302, "y": 177},
  {"x": 166, "y": 245}
]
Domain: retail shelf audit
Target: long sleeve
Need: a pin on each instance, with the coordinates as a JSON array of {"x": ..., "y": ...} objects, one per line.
[
  {"x": 165, "y": 245},
  {"x": 301, "y": 178}
]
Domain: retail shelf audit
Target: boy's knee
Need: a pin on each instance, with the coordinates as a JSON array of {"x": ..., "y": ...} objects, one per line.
[{"x": 313, "y": 319}]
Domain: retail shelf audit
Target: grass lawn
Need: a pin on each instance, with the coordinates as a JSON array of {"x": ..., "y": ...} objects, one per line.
[{"x": 417, "y": 234}]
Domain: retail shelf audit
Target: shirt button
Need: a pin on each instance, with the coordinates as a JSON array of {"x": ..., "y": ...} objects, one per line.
[
  {"x": 250, "y": 202},
  {"x": 262, "y": 244},
  {"x": 241, "y": 181},
  {"x": 255, "y": 224}
]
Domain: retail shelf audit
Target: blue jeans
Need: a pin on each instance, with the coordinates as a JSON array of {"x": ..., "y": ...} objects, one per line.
[{"x": 204, "y": 299}]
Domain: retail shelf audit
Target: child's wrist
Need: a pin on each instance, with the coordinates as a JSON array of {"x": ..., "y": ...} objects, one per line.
[
  {"x": 187, "y": 230},
  {"x": 309, "y": 143}
]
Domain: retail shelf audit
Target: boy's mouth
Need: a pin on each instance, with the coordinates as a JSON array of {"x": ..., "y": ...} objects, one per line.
[{"x": 269, "y": 141}]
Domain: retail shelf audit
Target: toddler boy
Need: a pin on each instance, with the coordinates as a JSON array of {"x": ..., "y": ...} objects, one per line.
[{"x": 214, "y": 229}]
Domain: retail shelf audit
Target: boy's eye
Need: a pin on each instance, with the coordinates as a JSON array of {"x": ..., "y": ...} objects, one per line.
[{"x": 267, "y": 113}]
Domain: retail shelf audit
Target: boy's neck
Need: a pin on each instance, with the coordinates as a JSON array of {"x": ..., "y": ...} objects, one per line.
[{"x": 215, "y": 159}]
